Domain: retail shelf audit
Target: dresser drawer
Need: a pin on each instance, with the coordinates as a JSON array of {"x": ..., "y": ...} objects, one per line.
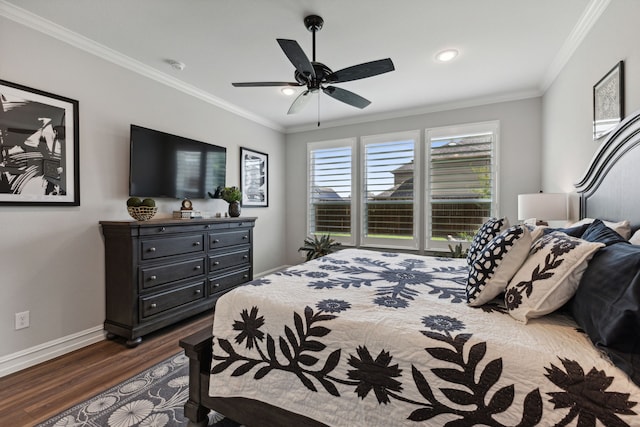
[
  {"x": 154, "y": 276},
  {"x": 158, "y": 248},
  {"x": 158, "y": 303},
  {"x": 238, "y": 237},
  {"x": 229, "y": 259},
  {"x": 227, "y": 281}
]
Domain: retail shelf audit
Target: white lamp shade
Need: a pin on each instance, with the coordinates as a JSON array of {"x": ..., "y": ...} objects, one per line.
[{"x": 543, "y": 206}]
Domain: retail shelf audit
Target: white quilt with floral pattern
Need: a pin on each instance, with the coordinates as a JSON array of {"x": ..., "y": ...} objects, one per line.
[{"x": 364, "y": 338}]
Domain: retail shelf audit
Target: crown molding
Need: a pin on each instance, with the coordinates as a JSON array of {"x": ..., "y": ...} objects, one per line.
[
  {"x": 65, "y": 35},
  {"x": 587, "y": 20}
]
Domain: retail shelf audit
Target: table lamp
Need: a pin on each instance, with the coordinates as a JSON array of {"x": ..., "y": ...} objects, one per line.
[{"x": 538, "y": 208}]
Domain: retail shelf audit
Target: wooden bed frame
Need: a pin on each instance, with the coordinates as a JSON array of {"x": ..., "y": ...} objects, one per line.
[{"x": 609, "y": 190}]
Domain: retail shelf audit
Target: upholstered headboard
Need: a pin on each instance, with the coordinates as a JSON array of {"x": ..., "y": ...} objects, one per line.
[{"x": 610, "y": 188}]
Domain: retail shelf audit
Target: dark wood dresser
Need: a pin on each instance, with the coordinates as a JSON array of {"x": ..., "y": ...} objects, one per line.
[{"x": 161, "y": 271}]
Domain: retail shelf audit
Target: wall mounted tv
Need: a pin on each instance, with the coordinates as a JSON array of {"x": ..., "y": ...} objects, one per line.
[{"x": 165, "y": 165}]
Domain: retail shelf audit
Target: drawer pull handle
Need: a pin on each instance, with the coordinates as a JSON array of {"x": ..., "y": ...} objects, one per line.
[
  {"x": 196, "y": 243},
  {"x": 152, "y": 249},
  {"x": 163, "y": 229},
  {"x": 198, "y": 267},
  {"x": 216, "y": 263},
  {"x": 216, "y": 241},
  {"x": 216, "y": 285},
  {"x": 245, "y": 257},
  {"x": 154, "y": 277},
  {"x": 207, "y": 226},
  {"x": 198, "y": 291},
  {"x": 246, "y": 276},
  {"x": 245, "y": 237},
  {"x": 154, "y": 305}
]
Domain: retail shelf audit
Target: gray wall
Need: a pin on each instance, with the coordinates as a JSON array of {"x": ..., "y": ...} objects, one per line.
[
  {"x": 519, "y": 162},
  {"x": 51, "y": 258},
  {"x": 567, "y": 105}
]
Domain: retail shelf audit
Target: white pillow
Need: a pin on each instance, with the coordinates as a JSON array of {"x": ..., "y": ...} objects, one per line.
[
  {"x": 549, "y": 276},
  {"x": 496, "y": 264},
  {"x": 635, "y": 239},
  {"x": 623, "y": 227}
]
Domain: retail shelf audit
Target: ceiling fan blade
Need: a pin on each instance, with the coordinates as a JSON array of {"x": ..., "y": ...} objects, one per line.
[
  {"x": 300, "y": 102},
  {"x": 261, "y": 84},
  {"x": 297, "y": 57},
  {"x": 361, "y": 71},
  {"x": 346, "y": 96}
]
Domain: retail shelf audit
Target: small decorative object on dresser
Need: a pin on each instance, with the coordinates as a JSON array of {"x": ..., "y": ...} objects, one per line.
[
  {"x": 233, "y": 196},
  {"x": 141, "y": 210},
  {"x": 162, "y": 271}
]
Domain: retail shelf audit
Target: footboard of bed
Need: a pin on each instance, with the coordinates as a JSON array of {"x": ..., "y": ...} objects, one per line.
[{"x": 197, "y": 347}]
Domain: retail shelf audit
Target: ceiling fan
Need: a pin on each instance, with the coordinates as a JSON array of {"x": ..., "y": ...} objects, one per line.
[{"x": 316, "y": 76}]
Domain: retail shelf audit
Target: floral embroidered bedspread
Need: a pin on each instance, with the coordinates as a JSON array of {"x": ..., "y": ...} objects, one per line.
[{"x": 364, "y": 338}]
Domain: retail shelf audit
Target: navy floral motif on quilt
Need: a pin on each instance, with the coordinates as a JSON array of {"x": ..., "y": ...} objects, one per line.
[{"x": 396, "y": 285}]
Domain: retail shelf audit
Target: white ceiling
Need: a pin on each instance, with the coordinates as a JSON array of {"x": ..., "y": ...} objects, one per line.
[{"x": 509, "y": 49}]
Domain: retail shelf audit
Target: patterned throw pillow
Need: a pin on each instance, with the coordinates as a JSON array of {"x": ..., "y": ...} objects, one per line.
[
  {"x": 549, "y": 276},
  {"x": 485, "y": 234},
  {"x": 496, "y": 264}
]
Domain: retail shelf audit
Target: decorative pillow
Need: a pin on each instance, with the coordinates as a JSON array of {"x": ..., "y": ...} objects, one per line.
[
  {"x": 573, "y": 231},
  {"x": 487, "y": 231},
  {"x": 623, "y": 227},
  {"x": 549, "y": 276},
  {"x": 635, "y": 239},
  {"x": 598, "y": 232},
  {"x": 496, "y": 264},
  {"x": 607, "y": 305}
]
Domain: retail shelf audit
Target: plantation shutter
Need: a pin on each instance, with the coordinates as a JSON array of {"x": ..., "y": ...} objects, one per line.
[
  {"x": 462, "y": 184},
  {"x": 330, "y": 190},
  {"x": 389, "y": 202}
]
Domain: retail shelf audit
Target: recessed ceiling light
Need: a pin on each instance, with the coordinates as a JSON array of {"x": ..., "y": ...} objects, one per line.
[
  {"x": 446, "y": 55},
  {"x": 288, "y": 91}
]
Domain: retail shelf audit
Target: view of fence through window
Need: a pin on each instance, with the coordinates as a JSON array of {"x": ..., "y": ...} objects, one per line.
[
  {"x": 460, "y": 185},
  {"x": 330, "y": 195},
  {"x": 388, "y": 197}
]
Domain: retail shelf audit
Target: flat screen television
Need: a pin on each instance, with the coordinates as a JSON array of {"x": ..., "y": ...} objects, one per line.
[{"x": 165, "y": 165}]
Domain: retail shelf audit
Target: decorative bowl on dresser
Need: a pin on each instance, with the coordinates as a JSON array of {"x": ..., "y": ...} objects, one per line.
[{"x": 164, "y": 270}]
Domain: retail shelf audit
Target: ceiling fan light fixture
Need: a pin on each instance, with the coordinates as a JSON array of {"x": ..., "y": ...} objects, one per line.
[
  {"x": 446, "y": 55},
  {"x": 288, "y": 91}
]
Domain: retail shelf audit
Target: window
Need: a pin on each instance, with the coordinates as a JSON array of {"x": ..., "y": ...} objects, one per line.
[
  {"x": 331, "y": 184},
  {"x": 389, "y": 205},
  {"x": 461, "y": 180},
  {"x": 400, "y": 191}
]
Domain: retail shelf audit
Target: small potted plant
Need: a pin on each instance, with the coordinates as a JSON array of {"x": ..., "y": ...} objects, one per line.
[
  {"x": 316, "y": 247},
  {"x": 233, "y": 196}
]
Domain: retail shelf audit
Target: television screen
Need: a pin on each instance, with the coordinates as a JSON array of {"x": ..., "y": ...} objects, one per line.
[{"x": 165, "y": 165}]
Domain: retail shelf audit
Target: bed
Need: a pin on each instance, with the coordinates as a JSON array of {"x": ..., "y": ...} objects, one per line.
[{"x": 547, "y": 332}]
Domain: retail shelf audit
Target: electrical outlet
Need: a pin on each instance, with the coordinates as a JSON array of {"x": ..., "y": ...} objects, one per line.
[{"x": 22, "y": 320}]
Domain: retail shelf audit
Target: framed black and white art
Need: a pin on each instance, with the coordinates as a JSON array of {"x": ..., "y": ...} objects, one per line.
[
  {"x": 39, "y": 159},
  {"x": 254, "y": 178},
  {"x": 608, "y": 101}
]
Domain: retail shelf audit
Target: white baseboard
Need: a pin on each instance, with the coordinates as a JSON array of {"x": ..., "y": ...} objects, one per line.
[
  {"x": 41, "y": 353},
  {"x": 273, "y": 270}
]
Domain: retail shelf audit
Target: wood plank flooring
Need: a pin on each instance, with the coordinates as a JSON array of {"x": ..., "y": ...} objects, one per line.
[{"x": 38, "y": 393}]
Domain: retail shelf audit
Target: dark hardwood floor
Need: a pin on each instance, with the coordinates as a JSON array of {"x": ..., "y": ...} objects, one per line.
[{"x": 38, "y": 393}]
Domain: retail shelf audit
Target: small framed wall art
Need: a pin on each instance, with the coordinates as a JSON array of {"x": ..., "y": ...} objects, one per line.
[
  {"x": 39, "y": 159},
  {"x": 608, "y": 101},
  {"x": 254, "y": 178}
]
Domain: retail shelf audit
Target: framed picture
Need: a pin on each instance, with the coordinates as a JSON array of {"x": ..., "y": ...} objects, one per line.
[
  {"x": 254, "y": 178},
  {"x": 608, "y": 101},
  {"x": 39, "y": 162}
]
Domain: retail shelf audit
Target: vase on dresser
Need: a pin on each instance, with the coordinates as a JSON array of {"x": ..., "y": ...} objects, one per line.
[{"x": 234, "y": 209}]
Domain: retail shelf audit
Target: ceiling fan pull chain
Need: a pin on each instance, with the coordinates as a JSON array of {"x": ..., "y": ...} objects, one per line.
[{"x": 318, "y": 109}]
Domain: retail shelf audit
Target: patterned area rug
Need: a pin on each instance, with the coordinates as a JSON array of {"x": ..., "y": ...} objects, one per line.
[{"x": 153, "y": 398}]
